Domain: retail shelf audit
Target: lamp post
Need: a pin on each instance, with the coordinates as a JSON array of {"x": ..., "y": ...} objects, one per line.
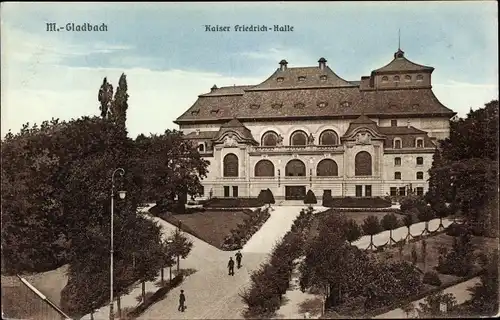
[
  {"x": 122, "y": 196},
  {"x": 169, "y": 241},
  {"x": 279, "y": 175}
]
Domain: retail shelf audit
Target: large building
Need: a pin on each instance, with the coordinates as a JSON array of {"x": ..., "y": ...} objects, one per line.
[{"x": 307, "y": 128}]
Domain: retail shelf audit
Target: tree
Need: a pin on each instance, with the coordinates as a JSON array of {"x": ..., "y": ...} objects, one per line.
[
  {"x": 180, "y": 246},
  {"x": 408, "y": 308},
  {"x": 268, "y": 197},
  {"x": 424, "y": 252},
  {"x": 105, "y": 97},
  {"x": 353, "y": 231},
  {"x": 409, "y": 219},
  {"x": 414, "y": 256},
  {"x": 171, "y": 166},
  {"x": 484, "y": 300},
  {"x": 310, "y": 198},
  {"x": 390, "y": 222},
  {"x": 119, "y": 105},
  {"x": 371, "y": 226},
  {"x": 425, "y": 214}
]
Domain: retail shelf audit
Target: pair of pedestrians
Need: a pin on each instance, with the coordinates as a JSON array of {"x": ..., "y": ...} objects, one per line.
[{"x": 230, "y": 264}]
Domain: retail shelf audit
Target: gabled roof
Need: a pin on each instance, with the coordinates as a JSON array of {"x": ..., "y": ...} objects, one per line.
[
  {"x": 201, "y": 135},
  {"x": 362, "y": 122},
  {"x": 234, "y": 125},
  {"x": 400, "y": 63}
]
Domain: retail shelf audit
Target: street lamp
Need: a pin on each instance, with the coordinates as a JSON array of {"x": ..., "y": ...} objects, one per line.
[{"x": 121, "y": 194}]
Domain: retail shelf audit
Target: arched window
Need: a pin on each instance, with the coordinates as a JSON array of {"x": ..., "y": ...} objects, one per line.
[
  {"x": 230, "y": 165},
  {"x": 396, "y": 78},
  {"x": 397, "y": 143},
  {"x": 397, "y": 162},
  {"x": 201, "y": 147},
  {"x": 327, "y": 168},
  {"x": 295, "y": 168},
  {"x": 298, "y": 138},
  {"x": 420, "y": 77},
  {"x": 269, "y": 139},
  {"x": 385, "y": 79},
  {"x": 264, "y": 168},
  {"x": 420, "y": 175},
  {"x": 328, "y": 138},
  {"x": 363, "y": 164}
]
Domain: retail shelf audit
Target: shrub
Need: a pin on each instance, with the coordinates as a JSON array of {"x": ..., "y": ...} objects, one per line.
[
  {"x": 327, "y": 199},
  {"x": 217, "y": 203},
  {"x": 353, "y": 231},
  {"x": 459, "y": 261},
  {"x": 432, "y": 278},
  {"x": 456, "y": 230},
  {"x": 244, "y": 231},
  {"x": 310, "y": 198},
  {"x": 412, "y": 201},
  {"x": 390, "y": 221},
  {"x": 269, "y": 198},
  {"x": 371, "y": 226},
  {"x": 425, "y": 213}
]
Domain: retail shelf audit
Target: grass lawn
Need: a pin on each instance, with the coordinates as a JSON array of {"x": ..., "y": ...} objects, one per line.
[
  {"x": 212, "y": 226},
  {"x": 434, "y": 243}
]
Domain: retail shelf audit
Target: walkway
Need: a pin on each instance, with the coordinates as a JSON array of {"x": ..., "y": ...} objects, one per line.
[
  {"x": 210, "y": 292},
  {"x": 459, "y": 291}
]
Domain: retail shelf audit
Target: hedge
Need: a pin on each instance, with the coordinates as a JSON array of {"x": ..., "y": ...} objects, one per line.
[
  {"x": 363, "y": 202},
  {"x": 216, "y": 203},
  {"x": 239, "y": 236}
]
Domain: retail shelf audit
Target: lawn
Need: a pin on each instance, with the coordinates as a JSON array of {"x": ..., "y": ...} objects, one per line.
[{"x": 211, "y": 226}]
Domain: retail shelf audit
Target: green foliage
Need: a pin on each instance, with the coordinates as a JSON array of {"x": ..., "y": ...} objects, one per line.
[
  {"x": 180, "y": 245},
  {"x": 170, "y": 165},
  {"x": 119, "y": 105},
  {"x": 105, "y": 97},
  {"x": 459, "y": 261},
  {"x": 484, "y": 300},
  {"x": 390, "y": 222},
  {"x": 432, "y": 278},
  {"x": 411, "y": 201},
  {"x": 353, "y": 231},
  {"x": 310, "y": 198},
  {"x": 371, "y": 225},
  {"x": 425, "y": 213},
  {"x": 430, "y": 308},
  {"x": 465, "y": 167}
]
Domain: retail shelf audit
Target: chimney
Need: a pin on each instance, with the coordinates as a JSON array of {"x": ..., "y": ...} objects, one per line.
[
  {"x": 283, "y": 64},
  {"x": 322, "y": 63},
  {"x": 213, "y": 88}
]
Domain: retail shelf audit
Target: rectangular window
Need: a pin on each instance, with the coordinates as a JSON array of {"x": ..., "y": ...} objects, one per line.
[
  {"x": 202, "y": 191},
  {"x": 368, "y": 191},
  {"x": 394, "y": 123},
  {"x": 397, "y": 162},
  {"x": 397, "y": 144},
  {"x": 420, "y": 161},
  {"x": 226, "y": 191},
  {"x": 420, "y": 175},
  {"x": 394, "y": 191},
  {"x": 327, "y": 193},
  {"x": 420, "y": 143},
  {"x": 402, "y": 191},
  {"x": 235, "y": 191},
  {"x": 420, "y": 191},
  {"x": 397, "y": 175},
  {"x": 359, "y": 191}
]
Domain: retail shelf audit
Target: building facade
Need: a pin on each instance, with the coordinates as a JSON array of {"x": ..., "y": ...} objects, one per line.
[{"x": 306, "y": 128}]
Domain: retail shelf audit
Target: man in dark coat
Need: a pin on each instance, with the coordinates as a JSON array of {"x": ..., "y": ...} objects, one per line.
[
  {"x": 230, "y": 265},
  {"x": 182, "y": 300},
  {"x": 238, "y": 258}
]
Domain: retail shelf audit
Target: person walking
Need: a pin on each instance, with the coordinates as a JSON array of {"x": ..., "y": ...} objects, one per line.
[
  {"x": 182, "y": 300},
  {"x": 230, "y": 265},
  {"x": 238, "y": 258}
]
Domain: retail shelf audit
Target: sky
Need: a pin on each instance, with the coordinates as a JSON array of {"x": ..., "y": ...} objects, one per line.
[{"x": 169, "y": 58}]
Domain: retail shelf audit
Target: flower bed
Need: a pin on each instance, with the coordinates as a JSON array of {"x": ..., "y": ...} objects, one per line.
[
  {"x": 244, "y": 231},
  {"x": 364, "y": 202},
  {"x": 216, "y": 203}
]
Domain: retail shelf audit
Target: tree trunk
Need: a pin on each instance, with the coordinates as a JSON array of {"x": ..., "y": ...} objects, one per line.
[
  {"x": 178, "y": 264},
  {"x": 92, "y": 315},
  {"x": 371, "y": 241},
  {"x": 390, "y": 237},
  {"x": 143, "y": 291},
  {"x": 170, "y": 271},
  {"x": 119, "y": 306},
  {"x": 161, "y": 272}
]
